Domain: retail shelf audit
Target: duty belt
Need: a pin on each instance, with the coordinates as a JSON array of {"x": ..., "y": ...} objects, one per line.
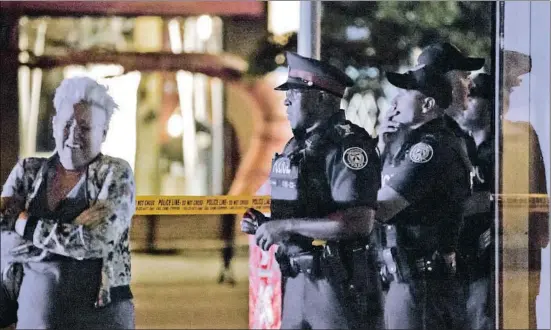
[
  {"x": 307, "y": 263},
  {"x": 426, "y": 266},
  {"x": 431, "y": 266},
  {"x": 398, "y": 265}
]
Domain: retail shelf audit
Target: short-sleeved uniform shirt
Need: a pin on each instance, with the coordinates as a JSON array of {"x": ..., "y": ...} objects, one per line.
[
  {"x": 475, "y": 225},
  {"x": 334, "y": 168},
  {"x": 433, "y": 173}
]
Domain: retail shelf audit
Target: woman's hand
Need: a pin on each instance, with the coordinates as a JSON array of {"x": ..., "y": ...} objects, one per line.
[
  {"x": 94, "y": 216},
  {"x": 21, "y": 222},
  {"x": 11, "y": 206}
]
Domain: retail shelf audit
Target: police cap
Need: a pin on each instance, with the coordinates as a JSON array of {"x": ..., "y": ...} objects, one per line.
[
  {"x": 481, "y": 86},
  {"x": 426, "y": 80},
  {"x": 308, "y": 73},
  {"x": 447, "y": 57}
]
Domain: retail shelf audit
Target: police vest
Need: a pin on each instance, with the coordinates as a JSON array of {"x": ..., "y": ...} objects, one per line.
[
  {"x": 284, "y": 181},
  {"x": 299, "y": 186},
  {"x": 298, "y": 178}
]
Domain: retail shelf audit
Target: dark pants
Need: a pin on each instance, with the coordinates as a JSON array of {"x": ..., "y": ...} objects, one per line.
[
  {"x": 425, "y": 304},
  {"x": 227, "y": 234},
  {"x": 8, "y": 298},
  {"x": 314, "y": 304},
  {"x": 311, "y": 304},
  {"x": 61, "y": 295},
  {"x": 480, "y": 306},
  {"x": 8, "y": 290}
]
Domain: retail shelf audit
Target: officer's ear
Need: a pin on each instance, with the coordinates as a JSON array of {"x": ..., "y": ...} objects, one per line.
[
  {"x": 322, "y": 97},
  {"x": 428, "y": 104},
  {"x": 325, "y": 97},
  {"x": 328, "y": 98},
  {"x": 104, "y": 136}
]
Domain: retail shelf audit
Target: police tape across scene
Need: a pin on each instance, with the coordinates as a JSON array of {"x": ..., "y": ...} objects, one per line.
[
  {"x": 223, "y": 204},
  {"x": 200, "y": 205}
]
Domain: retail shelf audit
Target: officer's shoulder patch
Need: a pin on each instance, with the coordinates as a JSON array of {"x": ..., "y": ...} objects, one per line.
[
  {"x": 355, "y": 158},
  {"x": 421, "y": 153}
]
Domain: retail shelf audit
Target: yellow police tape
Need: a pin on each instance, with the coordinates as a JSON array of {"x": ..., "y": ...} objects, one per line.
[
  {"x": 216, "y": 205},
  {"x": 199, "y": 205}
]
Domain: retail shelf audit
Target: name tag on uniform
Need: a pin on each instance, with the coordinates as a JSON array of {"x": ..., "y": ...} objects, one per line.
[
  {"x": 282, "y": 166},
  {"x": 283, "y": 179}
]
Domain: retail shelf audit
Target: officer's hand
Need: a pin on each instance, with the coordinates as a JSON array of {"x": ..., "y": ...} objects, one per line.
[
  {"x": 252, "y": 219},
  {"x": 248, "y": 226},
  {"x": 388, "y": 127},
  {"x": 271, "y": 233}
]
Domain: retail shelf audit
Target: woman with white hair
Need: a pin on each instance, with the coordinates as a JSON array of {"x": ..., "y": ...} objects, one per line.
[{"x": 74, "y": 223}]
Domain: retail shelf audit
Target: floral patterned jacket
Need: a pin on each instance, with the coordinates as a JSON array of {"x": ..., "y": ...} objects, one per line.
[{"x": 110, "y": 181}]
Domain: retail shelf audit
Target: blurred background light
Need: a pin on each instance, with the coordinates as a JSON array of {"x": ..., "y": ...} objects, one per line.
[{"x": 283, "y": 16}]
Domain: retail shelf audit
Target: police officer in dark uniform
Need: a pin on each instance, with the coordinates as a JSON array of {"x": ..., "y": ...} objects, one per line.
[
  {"x": 460, "y": 119},
  {"x": 426, "y": 179},
  {"x": 457, "y": 67},
  {"x": 476, "y": 262},
  {"x": 324, "y": 187}
]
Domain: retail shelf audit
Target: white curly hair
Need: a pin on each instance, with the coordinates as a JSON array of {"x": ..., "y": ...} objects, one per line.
[{"x": 84, "y": 89}]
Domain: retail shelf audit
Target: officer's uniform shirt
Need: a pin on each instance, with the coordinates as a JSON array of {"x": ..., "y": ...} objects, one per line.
[
  {"x": 334, "y": 168},
  {"x": 432, "y": 172},
  {"x": 467, "y": 140},
  {"x": 475, "y": 225}
]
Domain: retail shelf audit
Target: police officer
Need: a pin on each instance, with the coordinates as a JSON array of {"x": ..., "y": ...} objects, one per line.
[
  {"x": 475, "y": 245},
  {"x": 448, "y": 59},
  {"x": 324, "y": 187},
  {"x": 457, "y": 67},
  {"x": 425, "y": 183}
]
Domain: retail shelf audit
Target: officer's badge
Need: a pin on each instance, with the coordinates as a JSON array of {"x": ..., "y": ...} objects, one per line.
[
  {"x": 355, "y": 158},
  {"x": 421, "y": 153},
  {"x": 282, "y": 166}
]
